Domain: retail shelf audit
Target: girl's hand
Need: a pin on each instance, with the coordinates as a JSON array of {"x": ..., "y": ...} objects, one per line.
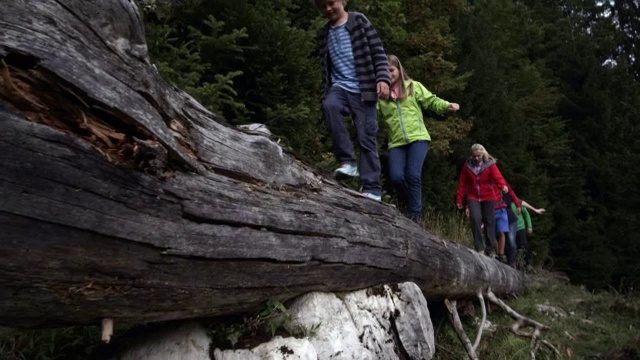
[{"x": 453, "y": 107}]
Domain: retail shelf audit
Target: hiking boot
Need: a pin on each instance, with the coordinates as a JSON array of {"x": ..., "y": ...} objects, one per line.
[
  {"x": 502, "y": 258},
  {"x": 372, "y": 196},
  {"x": 345, "y": 171}
]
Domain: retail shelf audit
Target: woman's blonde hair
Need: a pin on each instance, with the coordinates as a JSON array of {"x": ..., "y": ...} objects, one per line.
[
  {"x": 486, "y": 157},
  {"x": 402, "y": 92}
]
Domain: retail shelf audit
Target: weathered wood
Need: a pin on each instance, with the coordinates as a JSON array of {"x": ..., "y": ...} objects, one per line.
[{"x": 121, "y": 197}]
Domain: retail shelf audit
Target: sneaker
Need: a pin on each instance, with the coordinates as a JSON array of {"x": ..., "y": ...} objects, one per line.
[
  {"x": 372, "y": 196},
  {"x": 502, "y": 258},
  {"x": 346, "y": 170}
]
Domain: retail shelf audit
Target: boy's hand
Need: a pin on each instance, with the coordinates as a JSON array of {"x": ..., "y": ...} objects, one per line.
[
  {"x": 383, "y": 90},
  {"x": 453, "y": 107},
  {"x": 530, "y": 230}
]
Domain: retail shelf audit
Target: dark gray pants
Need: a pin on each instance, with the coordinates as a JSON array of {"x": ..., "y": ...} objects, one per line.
[
  {"x": 521, "y": 240},
  {"x": 338, "y": 103},
  {"x": 483, "y": 212}
]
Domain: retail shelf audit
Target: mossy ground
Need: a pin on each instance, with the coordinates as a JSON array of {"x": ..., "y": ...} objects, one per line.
[{"x": 586, "y": 325}]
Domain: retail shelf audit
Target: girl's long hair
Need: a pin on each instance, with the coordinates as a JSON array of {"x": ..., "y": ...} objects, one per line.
[
  {"x": 486, "y": 157},
  {"x": 402, "y": 92}
]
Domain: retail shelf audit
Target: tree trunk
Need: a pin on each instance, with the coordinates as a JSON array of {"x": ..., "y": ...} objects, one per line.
[{"x": 122, "y": 197}]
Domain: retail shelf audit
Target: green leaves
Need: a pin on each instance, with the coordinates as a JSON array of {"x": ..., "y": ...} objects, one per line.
[{"x": 189, "y": 56}]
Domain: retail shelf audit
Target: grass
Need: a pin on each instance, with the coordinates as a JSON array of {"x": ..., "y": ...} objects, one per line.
[
  {"x": 453, "y": 226},
  {"x": 590, "y": 325},
  {"x": 51, "y": 344},
  {"x": 597, "y": 325}
]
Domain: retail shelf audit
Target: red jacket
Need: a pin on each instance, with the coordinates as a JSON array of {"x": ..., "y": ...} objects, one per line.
[
  {"x": 502, "y": 204},
  {"x": 486, "y": 185}
]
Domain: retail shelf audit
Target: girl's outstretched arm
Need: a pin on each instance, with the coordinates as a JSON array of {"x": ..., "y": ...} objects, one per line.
[{"x": 530, "y": 207}]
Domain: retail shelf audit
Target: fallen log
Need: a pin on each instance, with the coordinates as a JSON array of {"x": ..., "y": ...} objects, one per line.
[{"x": 121, "y": 197}]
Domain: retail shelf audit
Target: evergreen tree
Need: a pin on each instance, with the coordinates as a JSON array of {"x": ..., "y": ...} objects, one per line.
[
  {"x": 179, "y": 52},
  {"x": 595, "y": 236}
]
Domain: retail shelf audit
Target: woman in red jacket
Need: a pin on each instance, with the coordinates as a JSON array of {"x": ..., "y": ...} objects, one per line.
[{"x": 481, "y": 183}]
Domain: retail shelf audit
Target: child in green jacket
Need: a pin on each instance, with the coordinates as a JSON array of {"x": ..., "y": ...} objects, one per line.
[{"x": 524, "y": 227}]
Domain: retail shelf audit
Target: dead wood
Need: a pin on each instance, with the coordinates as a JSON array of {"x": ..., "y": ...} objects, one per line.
[
  {"x": 457, "y": 325},
  {"x": 123, "y": 198}
]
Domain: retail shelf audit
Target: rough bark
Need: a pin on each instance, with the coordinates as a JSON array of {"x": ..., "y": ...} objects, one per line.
[{"x": 122, "y": 197}]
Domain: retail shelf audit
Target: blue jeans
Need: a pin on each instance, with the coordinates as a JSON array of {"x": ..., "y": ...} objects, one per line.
[
  {"x": 405, "y": 172},
  {"x": 338, "y": 103}
]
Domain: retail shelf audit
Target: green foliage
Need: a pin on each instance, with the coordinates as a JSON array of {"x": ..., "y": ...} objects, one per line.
[
  {"x": 227, "y": 334},
  {"x": 183, "y": 54},
  {"x": 51, "y": 344},
  {"x": 595, "y": 237},
  {"x": 271, "y": 320},
  {"x": 273, "y": 316}
]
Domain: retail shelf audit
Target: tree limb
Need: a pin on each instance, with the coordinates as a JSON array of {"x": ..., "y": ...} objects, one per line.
[{"x": 457, "y": 325}]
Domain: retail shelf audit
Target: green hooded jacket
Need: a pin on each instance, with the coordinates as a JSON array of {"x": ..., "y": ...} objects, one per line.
[
  {"x": 524, "y": 219},
  {"x": 404, "y": 117}
]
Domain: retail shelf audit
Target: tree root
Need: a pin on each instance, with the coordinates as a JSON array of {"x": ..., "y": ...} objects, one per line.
[
  {"x": 535, "y": 340},
  {"x": 521, "y": 321},
  {"x": 457, "y": 324},
  {"x": 492, "y": 297},
  {"x": 484, "y": 319}
]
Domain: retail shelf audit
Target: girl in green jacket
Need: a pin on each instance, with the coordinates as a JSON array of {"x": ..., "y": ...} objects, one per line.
[{"x": 408, "y": 136}]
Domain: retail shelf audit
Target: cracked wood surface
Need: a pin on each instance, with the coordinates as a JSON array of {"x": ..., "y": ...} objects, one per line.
[{"x": 122, "y": 197}]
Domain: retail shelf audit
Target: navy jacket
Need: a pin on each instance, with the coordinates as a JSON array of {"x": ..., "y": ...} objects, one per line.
[{"x": 370, "y": 59}]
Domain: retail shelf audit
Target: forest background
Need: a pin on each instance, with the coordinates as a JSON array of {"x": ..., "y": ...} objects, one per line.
[{"x": 551, "y": 88}]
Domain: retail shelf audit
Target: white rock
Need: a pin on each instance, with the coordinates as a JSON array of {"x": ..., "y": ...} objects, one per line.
[
  {"x": 286, "y": 349},
  {"x": 413, "y": 322},
  {"x": 336, "y": 336},
  {"x": 371, "y": 324},
  {"x": 371, "y": 314},
  {"x": 234, "y": 355}
]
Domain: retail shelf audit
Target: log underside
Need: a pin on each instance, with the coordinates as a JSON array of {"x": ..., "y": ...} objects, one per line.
[{"x": 122, "y": 197}]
